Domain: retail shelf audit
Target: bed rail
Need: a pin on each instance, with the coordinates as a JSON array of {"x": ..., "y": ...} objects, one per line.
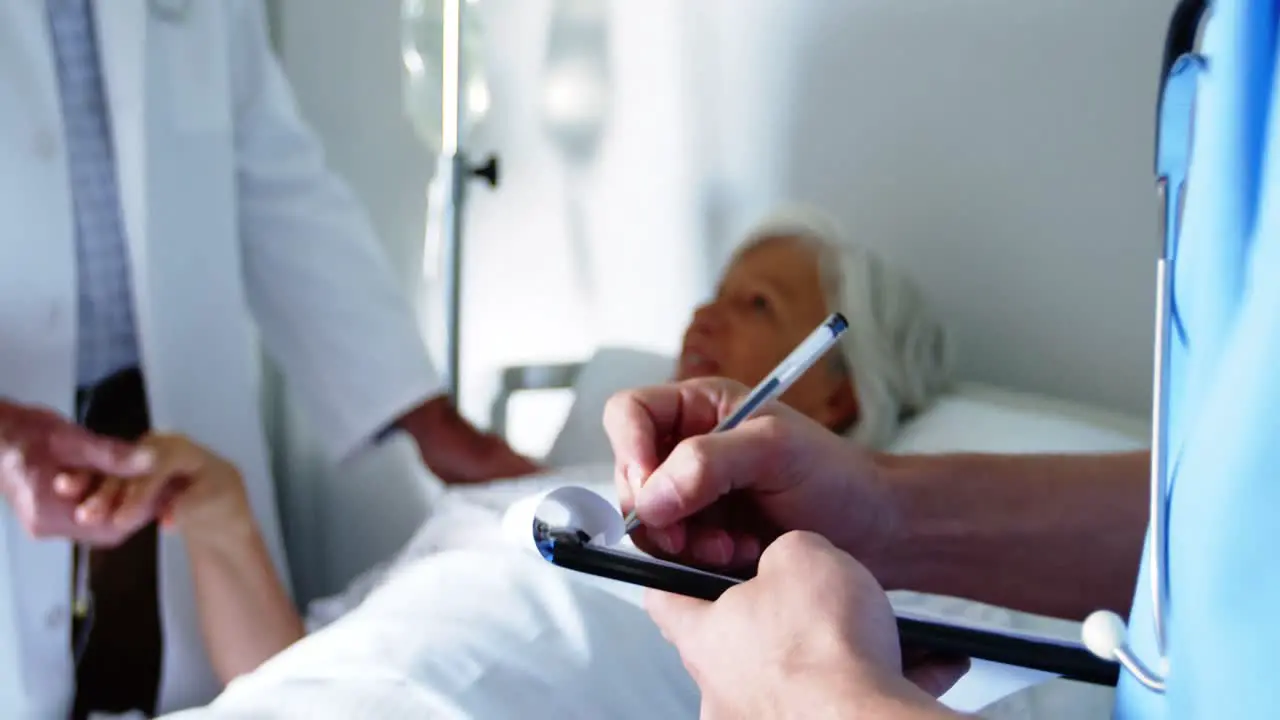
[{"x": 520, "y": 378}]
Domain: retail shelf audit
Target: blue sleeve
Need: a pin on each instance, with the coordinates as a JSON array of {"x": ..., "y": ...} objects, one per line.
[{"x": 1225, "y": 513}]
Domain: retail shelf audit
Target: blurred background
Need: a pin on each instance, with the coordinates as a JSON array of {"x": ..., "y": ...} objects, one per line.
[{"x": 997, "y": 149}]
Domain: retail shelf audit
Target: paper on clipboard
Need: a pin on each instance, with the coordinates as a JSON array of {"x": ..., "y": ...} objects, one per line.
[{"x": 564, "y": 507}]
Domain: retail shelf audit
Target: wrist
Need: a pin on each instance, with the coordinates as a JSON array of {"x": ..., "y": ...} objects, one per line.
[
  {"x": 854, "y": 690},
  {"x": 900, "y": 480},
  {"x": 449, "y": 445},
  {"x": 232, "y": 531},
  {"x": 230, "y": 544}
]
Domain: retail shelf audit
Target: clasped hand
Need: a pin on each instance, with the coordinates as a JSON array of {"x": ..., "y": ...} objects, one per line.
[{"x": 63, "y": 481}]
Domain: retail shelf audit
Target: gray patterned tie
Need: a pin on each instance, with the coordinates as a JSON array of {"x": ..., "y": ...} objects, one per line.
[{"x": 106, "y": 340}]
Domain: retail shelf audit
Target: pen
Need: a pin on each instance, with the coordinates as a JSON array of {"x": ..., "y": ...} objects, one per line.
[{"x": 775, "y": 383}]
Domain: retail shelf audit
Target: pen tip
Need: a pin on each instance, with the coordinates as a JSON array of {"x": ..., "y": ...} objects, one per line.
[{"x": 630, "y": 522}]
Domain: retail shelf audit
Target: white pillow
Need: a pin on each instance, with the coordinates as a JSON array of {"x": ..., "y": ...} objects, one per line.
[
  {"x": 978, "y": 418},
  {"x": 582, "y": 440}
]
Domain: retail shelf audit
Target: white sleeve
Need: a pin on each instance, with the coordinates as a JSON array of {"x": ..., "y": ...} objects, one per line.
[{"x": 329, "y": 309}]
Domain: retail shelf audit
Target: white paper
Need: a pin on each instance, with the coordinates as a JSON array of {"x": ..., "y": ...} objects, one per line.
[
  {"x": 570, "y": 507},
  {"x": 987, "y": 682}
]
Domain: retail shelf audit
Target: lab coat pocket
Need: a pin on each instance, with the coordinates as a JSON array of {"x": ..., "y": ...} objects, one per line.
[{"x": 192, "y": 58}]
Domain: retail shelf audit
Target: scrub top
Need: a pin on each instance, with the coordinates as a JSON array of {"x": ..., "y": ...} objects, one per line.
[{"x": 1223, "y": 615}]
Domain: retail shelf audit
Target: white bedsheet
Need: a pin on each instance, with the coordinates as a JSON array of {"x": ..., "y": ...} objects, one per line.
[
  {"x": 462, "y": 625},
  {"x": 469, "y": 517},
  {"x": 477, "y": 633}
]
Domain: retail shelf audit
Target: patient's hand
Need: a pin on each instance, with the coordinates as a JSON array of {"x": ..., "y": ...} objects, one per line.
[
  {"x": 189, "y": 489},
  {"x": 40, "y": 450}
]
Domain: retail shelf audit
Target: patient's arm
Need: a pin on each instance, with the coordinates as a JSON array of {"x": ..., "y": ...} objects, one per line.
[
  {"x": 245, "y": 614},
  {"x": 1055, "y": 535}
]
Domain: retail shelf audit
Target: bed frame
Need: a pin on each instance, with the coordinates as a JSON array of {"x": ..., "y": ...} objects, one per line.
[{"x": 521, "y": 378}]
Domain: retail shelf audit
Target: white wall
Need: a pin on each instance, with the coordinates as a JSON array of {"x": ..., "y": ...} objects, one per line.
[{"x": 1000, "y": 149}]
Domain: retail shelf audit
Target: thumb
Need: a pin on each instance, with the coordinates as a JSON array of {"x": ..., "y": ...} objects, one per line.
[
  {"x": 678, "y": 617},
  {"x": 74, "y": 447},
  {"x": 705, "y": 468},
  {"x": 642, "y": 423}
]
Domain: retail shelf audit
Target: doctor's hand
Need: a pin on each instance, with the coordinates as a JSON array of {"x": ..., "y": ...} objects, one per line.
[
  {"x": 458, "y": 452},
  {"x": 38, "y": 449},
  {"x": 189, "y": 490},
  {"x": 719, "y": 499},
  {"x": 812, "y": 635}
]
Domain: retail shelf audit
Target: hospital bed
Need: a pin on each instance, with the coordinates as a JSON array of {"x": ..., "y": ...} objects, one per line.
[{"x": 1057, "y": 424}]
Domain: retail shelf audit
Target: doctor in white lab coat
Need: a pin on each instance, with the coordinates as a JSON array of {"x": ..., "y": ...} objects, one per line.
[{"x": 228, "y": 227}]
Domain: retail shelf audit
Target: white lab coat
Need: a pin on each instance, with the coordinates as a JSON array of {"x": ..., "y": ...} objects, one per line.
[{"x": 231, "y": 217}]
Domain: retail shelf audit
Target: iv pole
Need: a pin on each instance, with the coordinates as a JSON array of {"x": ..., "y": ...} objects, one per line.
[{"x": 456, "y": 170}]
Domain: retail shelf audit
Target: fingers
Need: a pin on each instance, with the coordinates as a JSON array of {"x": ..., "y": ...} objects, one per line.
[
  {"x": 711, "y": 545},
  {"x": 73, "y": 485},
  {"x": 139, "y": 503},
  {"x": 722, "y": 548},
  {"x": 795, "y": 550},
  {"x": 178, "y": 462},
  {"x": 640, "y": 422},
  {"x": 98, "y": 507},
  {"x": 705, "y": 468},
  {"x": 666, "y": 541},
  {"x": 676, "y": 616},
  {"x": 128, "y": 503},
  {"x": 173, "y": 454},
  {"x": 42, "y": 512},
  {"x": 74, "y": 447},
  {"x": 633, "y": 435},
  {"x": 936, "y": 675}
]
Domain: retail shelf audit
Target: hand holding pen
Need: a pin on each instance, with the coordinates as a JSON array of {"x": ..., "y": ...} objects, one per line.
[{"x": 743, "y": 469}]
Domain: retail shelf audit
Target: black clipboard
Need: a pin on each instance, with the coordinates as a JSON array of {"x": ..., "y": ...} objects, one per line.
[{"x": 1071, "y": 662}]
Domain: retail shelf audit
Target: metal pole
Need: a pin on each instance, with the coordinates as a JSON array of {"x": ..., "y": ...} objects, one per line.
[{"x": 454, "y": 167}]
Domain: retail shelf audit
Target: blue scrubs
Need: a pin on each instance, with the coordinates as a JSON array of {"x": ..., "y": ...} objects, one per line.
[{"x": 1224, "y": 439}]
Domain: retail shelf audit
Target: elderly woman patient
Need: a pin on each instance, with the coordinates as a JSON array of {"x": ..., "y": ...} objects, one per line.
[
  {"x": 791, "y": 272},
  {"x": 458, "y": 625}
]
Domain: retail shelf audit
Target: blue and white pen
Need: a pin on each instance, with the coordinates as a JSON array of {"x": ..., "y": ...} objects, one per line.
[{"x": 775, "y": 383}]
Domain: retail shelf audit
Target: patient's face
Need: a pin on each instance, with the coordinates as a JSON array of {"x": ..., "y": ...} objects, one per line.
[{"x": 768, "y": 301}]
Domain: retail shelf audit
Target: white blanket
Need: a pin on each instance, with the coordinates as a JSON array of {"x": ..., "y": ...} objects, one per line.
[
  {"x": 480, "y": 633},
  {"x": 462, "y": 625}
]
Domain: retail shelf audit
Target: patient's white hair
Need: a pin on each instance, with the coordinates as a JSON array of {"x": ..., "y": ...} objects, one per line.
[{"x": 899, "y": 354}]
